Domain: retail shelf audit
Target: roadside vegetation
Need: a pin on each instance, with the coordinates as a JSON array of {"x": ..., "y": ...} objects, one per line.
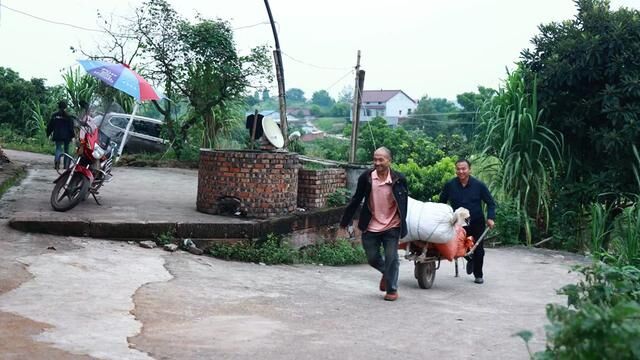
[{"x": 276, "y": 250}]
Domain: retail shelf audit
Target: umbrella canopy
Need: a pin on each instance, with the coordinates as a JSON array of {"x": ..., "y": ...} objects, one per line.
[{"x": 121, "y": 77}]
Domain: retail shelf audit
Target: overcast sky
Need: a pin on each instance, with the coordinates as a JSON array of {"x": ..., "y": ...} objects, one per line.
[{"x": 436, "y": 47}]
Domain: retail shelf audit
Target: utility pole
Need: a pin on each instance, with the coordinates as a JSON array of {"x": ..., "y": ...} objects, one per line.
[
  {"x": 356, "y": 110},
  {"x": 277, "y": 55}
]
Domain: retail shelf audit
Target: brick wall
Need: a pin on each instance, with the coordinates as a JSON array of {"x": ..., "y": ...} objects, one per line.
[
  {"x": 266, "y": 183},
  {"x": 315, "y": 186}
]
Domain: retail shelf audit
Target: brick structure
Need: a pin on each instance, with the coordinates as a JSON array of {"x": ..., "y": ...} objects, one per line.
[
  {"x": 315, "y": 186},
  {"x": 263, "y": 184}
]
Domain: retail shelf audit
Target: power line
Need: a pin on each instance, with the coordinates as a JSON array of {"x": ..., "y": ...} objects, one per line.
[
  {"x": 442, "y": 114},
  {"x": 251, "y": 26},
  {"x": 341, "y": 78},
  {"x": 312, "y": 65},
  {"x": 50, "y": 21}
]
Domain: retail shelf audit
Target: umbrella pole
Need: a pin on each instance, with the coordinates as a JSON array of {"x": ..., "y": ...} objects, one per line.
[{"x": 126, "y": 131}]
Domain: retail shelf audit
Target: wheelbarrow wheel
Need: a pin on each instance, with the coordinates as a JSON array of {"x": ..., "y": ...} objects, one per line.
[{"x": 425, "y": 274}]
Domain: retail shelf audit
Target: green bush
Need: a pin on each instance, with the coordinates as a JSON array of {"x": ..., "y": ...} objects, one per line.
[
  {"x": 275, "y": 250},
  {"x": 338, "y": 198},
  {"x": 426, "y": 183},
  {"x": 12, "y": 139},
  {"x": 601, "y": 319},
  {"x": 626, "y": 236},
  {"x": 508, "y": 223},
  {"x": 272, "y": 250},
  {"x": 340, "y": 252}
]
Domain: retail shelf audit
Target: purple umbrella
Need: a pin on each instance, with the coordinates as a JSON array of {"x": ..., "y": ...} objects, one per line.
[{"x": 121, "y": 77}]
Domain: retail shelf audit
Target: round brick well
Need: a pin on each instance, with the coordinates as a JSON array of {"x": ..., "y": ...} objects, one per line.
[{"x": 259, "y": 184}]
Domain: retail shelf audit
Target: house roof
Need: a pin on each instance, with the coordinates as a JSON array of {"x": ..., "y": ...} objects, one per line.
[{"x": 381, "y": 95}]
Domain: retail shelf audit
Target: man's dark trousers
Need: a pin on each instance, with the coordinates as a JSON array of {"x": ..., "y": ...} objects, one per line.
[
  {"x": 476, "y": 229},
  {"x": 388, "y": 265}
]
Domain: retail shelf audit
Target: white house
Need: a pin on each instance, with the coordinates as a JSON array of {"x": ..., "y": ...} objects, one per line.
[{"x": 390, "y": 104}]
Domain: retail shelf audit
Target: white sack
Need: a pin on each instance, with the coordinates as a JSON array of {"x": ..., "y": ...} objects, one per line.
[{"x": 428, "y": 221}]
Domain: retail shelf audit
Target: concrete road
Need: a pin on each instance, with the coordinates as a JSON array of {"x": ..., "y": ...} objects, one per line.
[{"x": 77, "y": 298}]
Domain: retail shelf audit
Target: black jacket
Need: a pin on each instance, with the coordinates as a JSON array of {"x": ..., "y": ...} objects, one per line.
[
  {"x": 400, "y": 194},
  {"x": 470, "y": 198},
  {"x": 61, "y": 125}
]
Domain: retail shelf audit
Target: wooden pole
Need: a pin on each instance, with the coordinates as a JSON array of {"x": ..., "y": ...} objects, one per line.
[
  {"x": 355, "y": 117},
  {"x": 277, "y": 54},
  {"x": 281, "y": 98}
]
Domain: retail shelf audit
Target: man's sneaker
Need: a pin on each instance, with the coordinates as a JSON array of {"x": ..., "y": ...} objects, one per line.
[
  {"x": 469, "y": 266},
  {"x": 383, "y": 284},
  {"x": 56, "y": 165},
  {"x": 391, "y": 296},
  {"x": 479, "y": 281}
]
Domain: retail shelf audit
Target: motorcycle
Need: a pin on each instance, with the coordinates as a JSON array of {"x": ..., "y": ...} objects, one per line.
[{"x": 89, "y": 171}]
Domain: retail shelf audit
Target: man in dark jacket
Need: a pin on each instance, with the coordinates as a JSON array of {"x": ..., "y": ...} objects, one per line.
[
  {"x": 468, "y": 192},
  {"x": 61, "y": 126},
  {"x": 382, "y": 218}
]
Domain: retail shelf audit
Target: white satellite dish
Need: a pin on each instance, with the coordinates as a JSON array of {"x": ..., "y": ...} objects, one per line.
[{"x": 272, "y": 132}]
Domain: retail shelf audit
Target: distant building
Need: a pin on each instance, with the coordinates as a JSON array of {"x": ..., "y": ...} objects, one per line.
[{"x": 393, "y": 105}]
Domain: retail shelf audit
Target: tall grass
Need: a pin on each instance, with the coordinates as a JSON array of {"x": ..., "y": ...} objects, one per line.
[
  {"x": 599, "y": 228},
  {"x": 627, "y": 241},
  {"x": 530, "y": 154},
  {"x": 36, "y": 125},
  {"x": 79, "y": 87}
]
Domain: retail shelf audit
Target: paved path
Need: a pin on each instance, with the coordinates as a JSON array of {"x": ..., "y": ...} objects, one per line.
[{"x": 100, "y": 299}]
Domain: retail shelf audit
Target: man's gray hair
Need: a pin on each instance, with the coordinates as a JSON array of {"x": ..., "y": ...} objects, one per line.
[{"x": 385, "y": 150}]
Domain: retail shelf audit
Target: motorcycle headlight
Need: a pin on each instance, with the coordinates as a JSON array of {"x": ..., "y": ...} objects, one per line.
[{"x": 98, "y": 152}]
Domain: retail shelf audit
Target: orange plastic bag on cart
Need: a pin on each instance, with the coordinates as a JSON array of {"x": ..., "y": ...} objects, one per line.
[{"x": 456, "y": 247}]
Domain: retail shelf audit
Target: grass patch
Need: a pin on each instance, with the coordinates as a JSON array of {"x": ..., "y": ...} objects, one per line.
[
  {"x": 330, "y": 125},
  {"x": 276, "y": 250},
  {"x": 30, "y": 146},
  {"x": 164, "y": 238},
  {"x": 13, "y": 180},
  {"x": 13, "y": 140}
]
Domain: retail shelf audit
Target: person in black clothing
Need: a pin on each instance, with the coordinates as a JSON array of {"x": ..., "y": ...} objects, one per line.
[
  {"x": 468, "y": 192},
  {"x": 382, "y": 218},
  {"x": 61, "y": 126}
]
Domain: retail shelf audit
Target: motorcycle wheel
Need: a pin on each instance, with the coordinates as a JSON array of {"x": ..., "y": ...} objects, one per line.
[{"x": 74, "y": 193}]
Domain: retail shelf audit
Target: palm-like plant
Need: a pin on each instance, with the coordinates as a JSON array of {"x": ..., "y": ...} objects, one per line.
[
  {"x": 36, "y": 125},
  {"x": 79, "y": 87},
  {"x": 530, "y": 154}
]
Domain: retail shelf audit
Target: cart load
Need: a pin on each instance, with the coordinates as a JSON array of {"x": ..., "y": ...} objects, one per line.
[{"x": 433, "y": 222}]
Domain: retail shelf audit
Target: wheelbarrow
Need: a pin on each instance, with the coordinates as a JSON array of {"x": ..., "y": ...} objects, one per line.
[{"x": 426, "y": 258}]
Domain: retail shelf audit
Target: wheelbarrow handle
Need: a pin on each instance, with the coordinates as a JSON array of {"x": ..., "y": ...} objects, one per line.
[{"x": 480, "y": 239}]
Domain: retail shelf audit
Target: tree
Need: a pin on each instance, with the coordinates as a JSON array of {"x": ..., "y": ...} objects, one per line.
[
  {"x": 434, "y": 116},
  {"x": 295, "y": 95},
  {"x": 217, "y": 77},
  {"x": 471, "y": 103},
  {"x": 322, "y": 99},
  {"x": 341, "y": 109},
  {"x": 158, "y": 27},
  {"x": 265, "y": 95},
  {"x": 588, "y": 72},
  {"x": 346, "y": 95},
  {"x": 404, "y": 145},
  {"x": 14, "y": 95}
]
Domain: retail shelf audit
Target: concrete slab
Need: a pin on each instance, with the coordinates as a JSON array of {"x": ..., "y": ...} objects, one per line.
[
  {"x": 140, "y": 203},
  {"x": 112, "y": 300}
]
